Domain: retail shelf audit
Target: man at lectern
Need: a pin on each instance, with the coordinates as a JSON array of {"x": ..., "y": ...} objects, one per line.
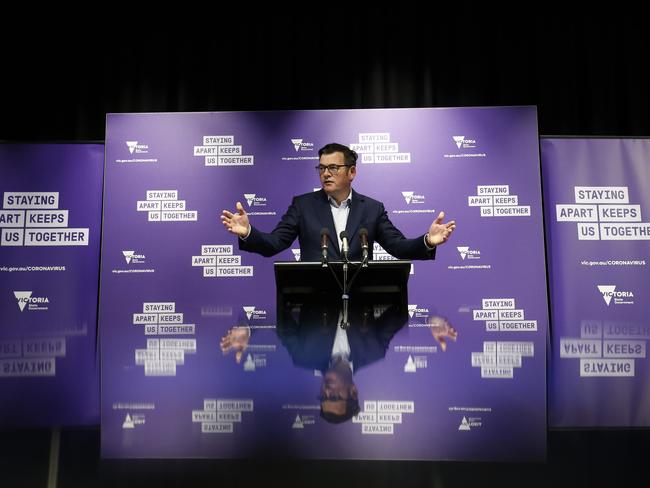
[{"x": 335, "y": 208}]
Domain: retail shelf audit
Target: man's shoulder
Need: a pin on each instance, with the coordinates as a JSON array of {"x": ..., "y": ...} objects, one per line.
[
  {"x": 320, "y": 196},
  {"x": 368, "y": 202},
  {"x": 366, "y": 198},
  {"x": 311, "y": 194}
]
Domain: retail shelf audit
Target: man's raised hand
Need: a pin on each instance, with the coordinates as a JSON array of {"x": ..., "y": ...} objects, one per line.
[
  {"x": 440, "y": 232},
  {"x": 236, "y": 223}
]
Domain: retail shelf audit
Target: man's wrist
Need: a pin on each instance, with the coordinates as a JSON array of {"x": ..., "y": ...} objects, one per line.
[
  {"x": 243, "y": 238},
  {"x": 427, "y": 243}
]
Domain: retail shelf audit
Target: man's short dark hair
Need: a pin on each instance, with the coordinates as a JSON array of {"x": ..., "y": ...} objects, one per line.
[
  {"x": 349, "y": 155},
  {"x": 352, "y": 409}
]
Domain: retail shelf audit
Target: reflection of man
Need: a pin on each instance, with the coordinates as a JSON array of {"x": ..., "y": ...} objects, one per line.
[
  {"x": 316, "y": 341},
  {"x": 236, "y": 340},
  {"x": 337, "y": 208},
  {"x": 339, "y": 397},
  {"x": 441, "y": 330}
]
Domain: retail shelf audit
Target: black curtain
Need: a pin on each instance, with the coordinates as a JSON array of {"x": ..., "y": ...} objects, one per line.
[{"x": 587, "y": 76}]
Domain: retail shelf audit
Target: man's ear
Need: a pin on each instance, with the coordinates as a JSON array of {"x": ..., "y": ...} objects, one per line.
[
  {"x": 354, "y": 393},
  {"x": 353, "y": 171}
]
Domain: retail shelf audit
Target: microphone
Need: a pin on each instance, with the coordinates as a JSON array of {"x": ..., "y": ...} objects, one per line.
[
  {"x": 324, "y": 235},
  {"x": 363, "y": 235},
  {"x": 344, "y": 245}
]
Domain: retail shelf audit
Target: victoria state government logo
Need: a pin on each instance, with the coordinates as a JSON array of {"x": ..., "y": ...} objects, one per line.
[
  {"x": 131, "y": 257},
  {"x": 25, "y": 299},
  {"x": 467, "y": 253},
  {"x": 134, "y": 147},
  {"x": 299, "y": 145},
  {"x": 253, "y": 200},
  {"x": 253, "y": 313},
  {"x": 464, "y": 142},
  {"x": 620, "y": 297},
  {"x": 411, "y": 197},
  {"x": 417, "y": 312},
  {"x": 468, "y": 424},
  {"x": 300, "y": 422},
  {"x": 131, "y": 420}
]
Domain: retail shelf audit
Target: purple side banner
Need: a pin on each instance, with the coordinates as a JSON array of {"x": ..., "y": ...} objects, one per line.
[
  {"x": 174, "y": 283},
  {"x": 597, "y": 202},
  {"x": 49, "y": 274}
]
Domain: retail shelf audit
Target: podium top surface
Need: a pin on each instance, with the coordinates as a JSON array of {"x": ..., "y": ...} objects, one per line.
[{"x": 310, "y": 277}]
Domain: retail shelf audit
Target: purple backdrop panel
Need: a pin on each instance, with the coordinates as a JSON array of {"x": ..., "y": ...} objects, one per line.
[
  {"x": 596, "y": 199},
  {"x": 174, "y": 283},
  {"x": 49, "y": 274}
]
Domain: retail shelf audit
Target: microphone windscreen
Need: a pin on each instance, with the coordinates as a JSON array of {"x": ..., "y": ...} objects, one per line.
[
  {"x": 324, "y": 232},
  {"x": 343, "y": 235}
]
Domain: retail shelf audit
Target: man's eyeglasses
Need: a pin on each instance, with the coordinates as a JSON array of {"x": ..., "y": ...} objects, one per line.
[
  {"x": 334, "y": 398},
  {"x": 332, "y": 168}
]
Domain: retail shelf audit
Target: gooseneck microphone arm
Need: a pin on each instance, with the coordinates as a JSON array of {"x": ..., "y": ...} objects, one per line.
[
  {"x": 324, "y": 236},
  {"x": 363, "y": 235},
  {"x": 345, "y": 248}
]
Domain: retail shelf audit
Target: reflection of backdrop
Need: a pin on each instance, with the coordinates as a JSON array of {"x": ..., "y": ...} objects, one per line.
[{"x": 313, "y": 338}]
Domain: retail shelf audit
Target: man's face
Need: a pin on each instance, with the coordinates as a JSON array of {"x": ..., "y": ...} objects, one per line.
[
  {"x": 335, "y": 391},
  {"x": 336, "y": 185}
]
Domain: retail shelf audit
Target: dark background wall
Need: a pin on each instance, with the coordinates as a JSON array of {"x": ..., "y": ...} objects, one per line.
[{"x": 588, "y": 76}]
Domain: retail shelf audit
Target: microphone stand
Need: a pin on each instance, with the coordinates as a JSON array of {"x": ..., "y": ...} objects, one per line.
[
  {"x": 345, "y": 322},
  {"x": 364, "y": 261},
  {"x": 347, "y": 285}
]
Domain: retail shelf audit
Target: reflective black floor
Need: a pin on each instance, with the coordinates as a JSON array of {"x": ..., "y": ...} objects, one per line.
[{"x": 575, "y": 458}]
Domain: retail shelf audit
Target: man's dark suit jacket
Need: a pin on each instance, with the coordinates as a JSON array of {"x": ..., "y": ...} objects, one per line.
[
  {"x": 311, "y": 212},
  {"x": 310, "y": 338}
]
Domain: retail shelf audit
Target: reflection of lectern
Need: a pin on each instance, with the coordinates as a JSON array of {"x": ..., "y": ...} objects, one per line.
[{"x": 379, "y": 282}]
